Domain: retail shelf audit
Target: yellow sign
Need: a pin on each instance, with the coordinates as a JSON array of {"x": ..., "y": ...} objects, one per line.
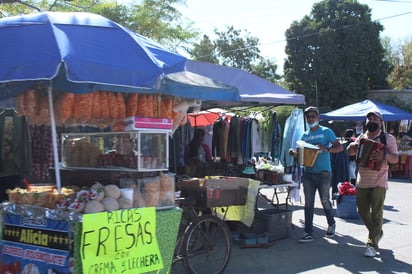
[{"x": 121, "y": 241}]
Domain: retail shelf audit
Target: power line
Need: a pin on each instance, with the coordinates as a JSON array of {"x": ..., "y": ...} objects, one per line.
[
  {"x": 343, "y": 27},
  {"x": 316, "y": 33}
]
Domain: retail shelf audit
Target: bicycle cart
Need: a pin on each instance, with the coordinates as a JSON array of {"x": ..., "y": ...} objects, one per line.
[{"x": 204, "y": 241}]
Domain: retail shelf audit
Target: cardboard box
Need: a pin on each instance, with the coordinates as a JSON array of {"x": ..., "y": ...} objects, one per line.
[
  {"x": 138, "y": 123},
  {"x": 274, "y": 221}
]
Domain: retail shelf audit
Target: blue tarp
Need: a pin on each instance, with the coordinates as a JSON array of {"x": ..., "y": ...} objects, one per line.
[
  {"x": 253, "y": 89},
  {"x": 82, "y": 52},
  {"x": 78, "y": 48},
  {"x": 358, "y": 111},
  {"x": 192, "y": 85}
]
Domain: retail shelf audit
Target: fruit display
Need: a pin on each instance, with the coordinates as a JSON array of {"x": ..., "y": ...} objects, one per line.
[
  {"x": 97, "y": 198},
  {"x": 47, "y": 197}
]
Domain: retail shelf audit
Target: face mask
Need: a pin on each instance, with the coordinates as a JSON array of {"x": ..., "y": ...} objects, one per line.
[
  {"x": 315, "y": 124},
  {"x": 372, "y": 127}
]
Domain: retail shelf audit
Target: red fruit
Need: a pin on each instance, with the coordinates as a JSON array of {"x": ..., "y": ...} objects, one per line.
[
  {"x": 18, "y": 266},
  {"x": 3, "y": 267}
]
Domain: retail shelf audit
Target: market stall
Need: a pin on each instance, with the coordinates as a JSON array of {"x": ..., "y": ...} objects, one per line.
[
  {"x": 245, "y": 146},
  {"x": 112, "y": 114},
  {"x": 390, "y": 114}
]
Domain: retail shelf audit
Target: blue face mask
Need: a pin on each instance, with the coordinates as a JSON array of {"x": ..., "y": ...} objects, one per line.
[{"x": 315, "y": 124}]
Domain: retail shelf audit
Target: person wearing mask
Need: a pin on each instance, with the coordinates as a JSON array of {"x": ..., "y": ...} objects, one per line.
[
  {"x": 372, "y": 180},
  {"x": 349, "y": 136},
  {"x": 197, "y": 154},
  {"x": 318, "y": 177}
]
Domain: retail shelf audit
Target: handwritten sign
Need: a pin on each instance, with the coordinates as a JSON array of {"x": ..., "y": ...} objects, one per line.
[{"x": 121, "y": 241}]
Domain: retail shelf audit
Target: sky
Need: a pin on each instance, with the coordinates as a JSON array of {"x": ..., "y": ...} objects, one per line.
[{"x": 269, "y": 19}]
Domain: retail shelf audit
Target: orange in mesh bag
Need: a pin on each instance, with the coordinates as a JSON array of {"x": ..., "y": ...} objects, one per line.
[
  {"x": 132, "y": 104},
  {"x": 82, "y": 107},
  {"x": 113, "y": 110},
  {"x": 166, "y": 109},
  {"x": 143, "y": 105},
  {"x": 104, "y": 105},
  {"x": 121, "y": 106},
  {"x": 96, "y": 105},
  {"x": 156, "y": 105},
  {"x": 65, "y": 106}
]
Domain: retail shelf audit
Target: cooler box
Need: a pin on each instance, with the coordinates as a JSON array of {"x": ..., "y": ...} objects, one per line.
[
  {"x": 274, "y": 221},
  {"x": 346, "y": 207}
]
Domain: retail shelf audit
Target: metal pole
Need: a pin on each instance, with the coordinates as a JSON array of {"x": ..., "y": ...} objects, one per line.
[{"x": 54, "y": 140}]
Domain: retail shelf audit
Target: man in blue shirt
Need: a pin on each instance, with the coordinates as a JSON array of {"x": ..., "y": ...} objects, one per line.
[{"x": 318, "y": 177}]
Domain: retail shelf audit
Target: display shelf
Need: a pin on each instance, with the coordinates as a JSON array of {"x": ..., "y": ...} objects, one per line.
[{"x": 141, "y": 150}]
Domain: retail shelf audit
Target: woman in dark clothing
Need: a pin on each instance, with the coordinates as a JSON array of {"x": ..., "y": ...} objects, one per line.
[
  {"x": 197, "y": 154},
  {"x": 349, "y": 136}
]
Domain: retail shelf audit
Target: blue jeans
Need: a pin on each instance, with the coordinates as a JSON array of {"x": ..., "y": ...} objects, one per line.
[{"x": 322, "y": 183}]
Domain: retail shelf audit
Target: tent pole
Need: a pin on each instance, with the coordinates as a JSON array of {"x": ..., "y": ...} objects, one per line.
[{"x": 54, "y": 139}]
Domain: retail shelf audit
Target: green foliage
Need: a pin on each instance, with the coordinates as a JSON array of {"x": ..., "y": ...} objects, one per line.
[
  {"x": 400, "y": 103},
  {"x": 16, "y": 7},
  {"x": 266, "y": 69},
  {"x": 157, "y": 19},
  {"x": 161, "y": 21},
  {"x": 401, "y": 59},
  {"x": 235, "y": 49},
  {"x": 205, "y": 51},
  {"x": 334, "y": 55}
]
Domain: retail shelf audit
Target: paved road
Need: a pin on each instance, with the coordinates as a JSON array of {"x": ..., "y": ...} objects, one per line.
[{"x": 341, "y": 254}]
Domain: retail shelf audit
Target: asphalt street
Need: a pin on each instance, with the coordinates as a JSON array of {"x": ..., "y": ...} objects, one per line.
[{"x": 342, "y": 254}]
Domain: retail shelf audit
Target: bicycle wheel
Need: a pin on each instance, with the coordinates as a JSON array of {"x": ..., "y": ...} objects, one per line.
[{"x": 206, "y": 245}]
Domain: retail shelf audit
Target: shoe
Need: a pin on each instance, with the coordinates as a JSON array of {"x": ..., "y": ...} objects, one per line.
[
  {"x": 331, "y": 231},
  {"x": 305, "y": 239},
  {"x": 370, "y": 251}
]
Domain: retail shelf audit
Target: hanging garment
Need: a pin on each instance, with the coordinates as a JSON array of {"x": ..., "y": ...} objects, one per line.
[
  {"x": 235, "y": 140},
  {"x": 340, "y": 168},
  {"x": 276, "y": 138},
  {"x": 294, "y": 128},
  {"x": 21, "y": 150},
  {"x": 255, "y": 137}
]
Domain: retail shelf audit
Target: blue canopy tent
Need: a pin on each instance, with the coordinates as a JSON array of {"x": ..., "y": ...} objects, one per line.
[
  {"x": 83, "y": 52},
  {"x": 358, "y": 111},
  {"x": 253, "y": 89}
]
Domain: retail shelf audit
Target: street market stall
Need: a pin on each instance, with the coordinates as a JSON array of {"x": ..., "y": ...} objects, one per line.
[
  {"x": 245, "y": 146},
  {"x": 82, "y": 71},
  {"x": 391, "y": 115}
]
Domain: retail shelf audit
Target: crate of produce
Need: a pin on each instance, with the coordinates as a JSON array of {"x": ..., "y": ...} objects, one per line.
[{"x": 215, "y": 192}]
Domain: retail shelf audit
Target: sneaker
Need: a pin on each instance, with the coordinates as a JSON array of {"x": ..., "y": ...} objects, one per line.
[
  {"x": 370, "y": 251},
  {"x": 331, "y": 231},
  {"x": 305, "y": 239}
]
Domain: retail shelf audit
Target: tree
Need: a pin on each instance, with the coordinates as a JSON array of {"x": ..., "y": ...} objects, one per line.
[
  {"x": 334, "y": 55},
  {"x": 161, "y": 21},
  {"x": 401, "y": 59},
  {"x": 235, "y": 49},
  {"x": 156, "y": 19},
  {"x": 16, "y": 7},
  {"x": 205, "y": 51}
]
